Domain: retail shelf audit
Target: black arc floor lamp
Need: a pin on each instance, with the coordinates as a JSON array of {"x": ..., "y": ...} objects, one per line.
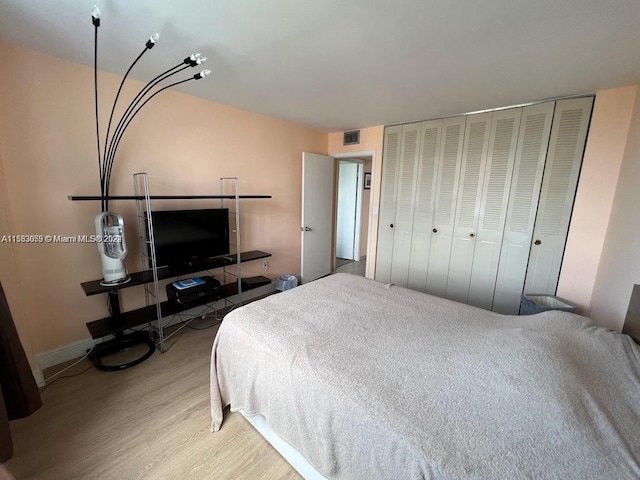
[{"x": 109, "y": 225}]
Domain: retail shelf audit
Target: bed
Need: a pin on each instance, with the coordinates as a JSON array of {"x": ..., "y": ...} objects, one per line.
[{"x": 365, "y": 380}]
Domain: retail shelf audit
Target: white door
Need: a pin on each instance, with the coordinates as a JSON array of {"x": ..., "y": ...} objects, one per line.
[
  {"x": 468, "y": 206},
  {"x": 317, "y": 215},
  {"x": 387, "y": 215},
  {"x": 445, "y": 205},
  {"x": 427, "y": 174},
  {"x": 493, "y": 206},
  {"x": 559, "y": 182},
  {"x": 347, "y": 210},
  {"x": 403, "y": 225},
  {"x": 531, "y": 153}
]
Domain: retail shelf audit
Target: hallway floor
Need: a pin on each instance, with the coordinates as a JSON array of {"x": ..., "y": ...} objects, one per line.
[{"x": 349, "y": 266}]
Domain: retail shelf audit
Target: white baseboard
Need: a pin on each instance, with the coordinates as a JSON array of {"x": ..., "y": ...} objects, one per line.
[
  {"x": 38, "y": 377},
  {"x": 75, "y": 350},
  {"x": 60, "y": 355}
]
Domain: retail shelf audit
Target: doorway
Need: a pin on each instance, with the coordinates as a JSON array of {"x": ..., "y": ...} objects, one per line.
[
  {"x": 320, "y": 174},
  {"x": 352, "y": 215}
]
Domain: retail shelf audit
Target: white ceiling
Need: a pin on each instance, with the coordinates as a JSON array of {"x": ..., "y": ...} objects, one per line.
[{"x": 341, "y": 64}]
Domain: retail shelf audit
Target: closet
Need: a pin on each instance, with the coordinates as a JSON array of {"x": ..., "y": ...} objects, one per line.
[{"x": 476, "y": 208}]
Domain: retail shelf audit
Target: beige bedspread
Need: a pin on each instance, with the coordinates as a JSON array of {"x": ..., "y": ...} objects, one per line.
[{"x": 370, "y": 381}]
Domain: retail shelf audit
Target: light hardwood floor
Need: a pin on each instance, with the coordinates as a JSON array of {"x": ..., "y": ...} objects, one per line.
[{"x": 148, "y": 422}]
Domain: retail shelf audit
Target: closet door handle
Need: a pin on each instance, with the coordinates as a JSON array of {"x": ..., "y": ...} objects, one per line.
[
  {"x": 435, "y": 230},
  {"x": 538, "y": 242},
  {"x": 472, "y": 234},
  {"x": 391, "y": 226}
]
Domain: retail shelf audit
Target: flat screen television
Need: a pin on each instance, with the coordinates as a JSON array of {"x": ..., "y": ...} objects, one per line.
[{"x": 184, "y": 236}]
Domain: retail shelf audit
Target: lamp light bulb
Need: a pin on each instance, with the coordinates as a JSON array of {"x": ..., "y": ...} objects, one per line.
[
  {"x": 194, "y": 59},
  {"x": 202, "y": 74},
  {"x": 95, "y": 15},
  {"x": 152, "y": 40}
]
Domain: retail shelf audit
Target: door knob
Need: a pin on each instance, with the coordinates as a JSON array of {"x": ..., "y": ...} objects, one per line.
[
  {"x": 538, "y": 242},
  {"x": 435, "y": 230},
  {"x": 472, "y": 234},
  {"x": 391, "y": 225}
]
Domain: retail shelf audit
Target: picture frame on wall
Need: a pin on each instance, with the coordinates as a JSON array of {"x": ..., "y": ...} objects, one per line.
[{"x": 367, "y": 181}]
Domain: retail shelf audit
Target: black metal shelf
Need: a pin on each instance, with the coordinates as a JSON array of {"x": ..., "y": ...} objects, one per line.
[
  {"x": 146, "y": 276},
  {"x": 133, "y": 318},
  {"x": 81, "y": 198},
  {"x": 117, "y": 322}
]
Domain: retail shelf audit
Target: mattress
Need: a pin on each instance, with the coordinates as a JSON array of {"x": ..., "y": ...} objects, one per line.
[{"x": 369, "y": 380}]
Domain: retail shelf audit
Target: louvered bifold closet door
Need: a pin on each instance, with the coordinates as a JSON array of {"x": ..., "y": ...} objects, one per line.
[
  {"x": 559, "y": 182},
  {"x": 425, "y": 200},
  {"x": 448, "y": 176},
  {"x": 533, "y": 139},
  {"x": 493, "y": 206},
  {"x": 474, "y": 156},
  {"x": 405, "y": 202},
  {"x": 390, "y": 163}
]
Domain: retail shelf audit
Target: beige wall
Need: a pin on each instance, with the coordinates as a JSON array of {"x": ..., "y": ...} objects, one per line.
[
  {"x": 370, "y": 140},
  {"x": 619, "y": 266},
  {"x": 366, "y": 202},
  {"x": 48, "y": 151},
  {"x": 596, "y": 189}
]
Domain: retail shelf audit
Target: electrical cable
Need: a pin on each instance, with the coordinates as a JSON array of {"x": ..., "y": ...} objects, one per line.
[
  {"x": 65, "y": 376},
  {"x": 47, "y": 381},
  {"x": 185, "y": 322},
  {"x": 217, "y": 322}
]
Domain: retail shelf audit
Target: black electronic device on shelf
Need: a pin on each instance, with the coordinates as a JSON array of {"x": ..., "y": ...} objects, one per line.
[
  {"x": 249, "y": 283},
  {"x": 209, "y": 290},
  {"x": 119, "y": 321},
  {"x": 187, "y": 236}
]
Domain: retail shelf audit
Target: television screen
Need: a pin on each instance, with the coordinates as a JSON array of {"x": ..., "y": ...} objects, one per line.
[{"x": 182, "y": 236}]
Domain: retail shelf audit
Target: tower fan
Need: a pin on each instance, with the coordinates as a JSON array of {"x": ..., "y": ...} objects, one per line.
[{"x": 112, "y": 248}]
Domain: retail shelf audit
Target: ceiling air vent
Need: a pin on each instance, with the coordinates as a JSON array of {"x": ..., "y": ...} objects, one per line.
[{"x": 352, "y": 137}]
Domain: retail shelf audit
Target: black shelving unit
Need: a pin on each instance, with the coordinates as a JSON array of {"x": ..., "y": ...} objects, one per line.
[
  {"x": 146, "y": 276},
  {"x": 133, "y": 318},
  {"x": 156, "y": 310}
]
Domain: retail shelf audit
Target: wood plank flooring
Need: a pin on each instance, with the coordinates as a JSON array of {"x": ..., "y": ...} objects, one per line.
[{"x": 148, "y": 422}]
